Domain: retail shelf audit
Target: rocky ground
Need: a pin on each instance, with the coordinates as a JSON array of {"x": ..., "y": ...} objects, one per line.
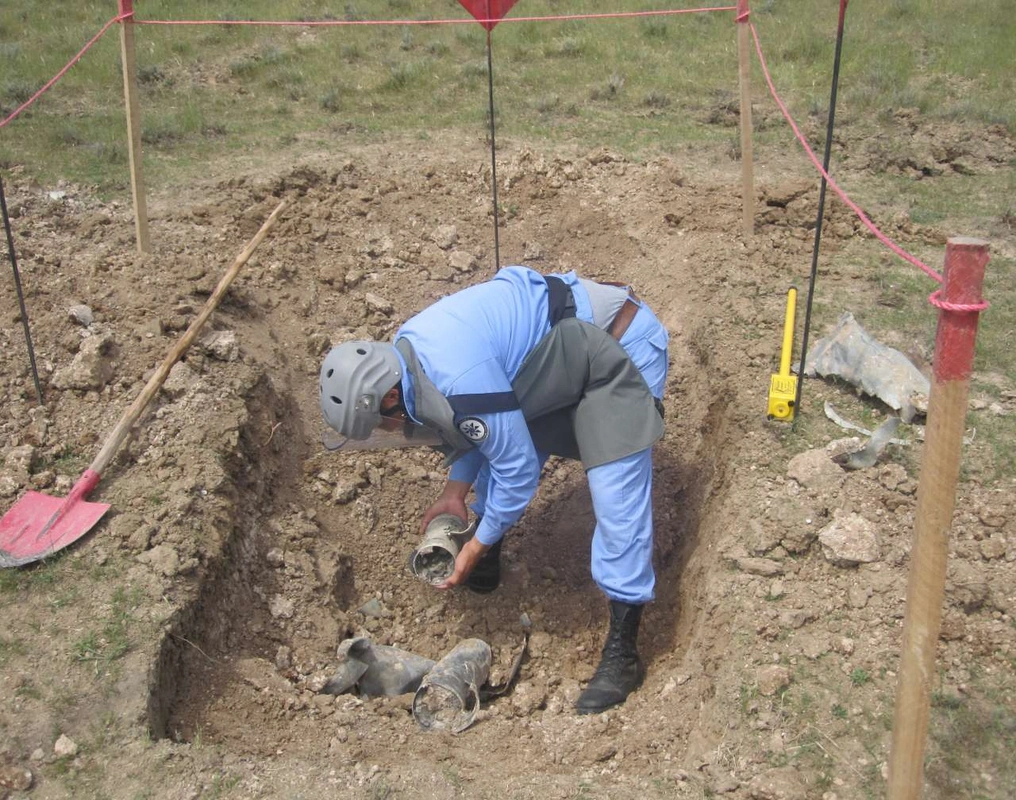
[{"x": 179, "y": 650}]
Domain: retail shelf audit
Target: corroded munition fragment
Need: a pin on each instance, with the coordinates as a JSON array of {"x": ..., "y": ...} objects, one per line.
[
  {"x": 449, "y": 696},
  {"x": 434, "y": 560}
]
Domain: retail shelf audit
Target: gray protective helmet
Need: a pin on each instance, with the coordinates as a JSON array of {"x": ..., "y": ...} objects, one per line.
[{"x": 354, "y": 378}]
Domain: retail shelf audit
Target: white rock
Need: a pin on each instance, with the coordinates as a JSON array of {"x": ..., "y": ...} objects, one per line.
[
  {"x": 377, "y": 303},
  {"x": 221, "y": 345},
  {"x": 858, "y": 596},
  {"x": 8, "y": 485},
  {"x": 65, "y": 746},
  {"x": 17, "y": 778},
  {"x": 462, "y": 261},
  {"x": 181, "y": 379},
  {"x": 163, "y": 558},
  {"x": 92, "y": 367},
  {"x": 773, "y": 679},
  {"x": 81, "y": 314},
  {"x": 814, "y": 469},
  {"x": 994, "y": 547},
  {"x": 345, "y": 492},
  {"x": 280, "y": 606},
  {"x": 19, "y": 461},
  {"x": 850, "y": 540},
  {"x": 765, "y": 567},
  {"x": 445, "y": 236}
]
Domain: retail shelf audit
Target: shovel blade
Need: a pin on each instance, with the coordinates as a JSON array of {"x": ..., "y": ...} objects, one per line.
[{"x": 38, "y": 525}]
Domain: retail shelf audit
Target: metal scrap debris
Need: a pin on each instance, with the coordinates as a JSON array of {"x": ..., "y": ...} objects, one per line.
[
  {"x": 449, "y": 696},
  {"x": 868, "y": 455},
  {"x": 447, "y": 693},
  {"x": 851, "y": 353},
  {"x": 376, "y": 670}
]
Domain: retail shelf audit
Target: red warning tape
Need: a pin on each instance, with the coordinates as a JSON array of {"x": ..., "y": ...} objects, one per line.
[{"x": 333, "y": 23}]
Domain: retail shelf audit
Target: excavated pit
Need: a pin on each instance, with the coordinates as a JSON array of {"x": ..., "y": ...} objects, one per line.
[
  {"x": 317, "y": 543},
  {"x": 299, "y": 572},
  {"x": 210, "y": 622}
]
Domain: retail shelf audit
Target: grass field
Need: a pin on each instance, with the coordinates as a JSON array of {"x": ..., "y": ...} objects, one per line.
[{"x": 644, "y": 84}]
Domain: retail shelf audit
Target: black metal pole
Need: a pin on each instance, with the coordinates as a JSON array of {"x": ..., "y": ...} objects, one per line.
[
  {"x": 21, "y": 295},
  {"x": 493, "y": 147},
  {"x": 821, "y": 205}
]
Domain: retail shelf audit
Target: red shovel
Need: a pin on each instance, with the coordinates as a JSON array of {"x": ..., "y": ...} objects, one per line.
[{"x": 38, "y": 525}]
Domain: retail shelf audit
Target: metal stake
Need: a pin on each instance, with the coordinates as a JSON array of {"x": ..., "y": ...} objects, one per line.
[
  {"x": 821, "y": 204},
  {"x": 493, "y": 148},
  {"x": 21, "y": 296}
]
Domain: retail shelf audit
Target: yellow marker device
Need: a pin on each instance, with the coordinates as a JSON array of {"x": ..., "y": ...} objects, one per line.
[{"x": 783, "y": 386}]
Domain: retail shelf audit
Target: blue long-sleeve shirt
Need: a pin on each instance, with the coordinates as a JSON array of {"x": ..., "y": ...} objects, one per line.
[{"x": 474, "y": 342}]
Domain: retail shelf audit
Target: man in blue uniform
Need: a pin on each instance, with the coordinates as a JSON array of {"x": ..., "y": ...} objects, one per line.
[{"x": 502, "y": 375}]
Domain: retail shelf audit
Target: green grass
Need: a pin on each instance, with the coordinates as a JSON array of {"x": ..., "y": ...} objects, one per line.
[
  {"x": 39, "y": 577},
  {"x": 103, "y": 646},
  {"x": 222, "y": 784},
  {"x": 971, "y": 736},
  {"x": 645, "y": 84},
  {"x": 69, "y": 462},
  {"x": 818, "y": 729},
  {"x": 10, "y": 647}
]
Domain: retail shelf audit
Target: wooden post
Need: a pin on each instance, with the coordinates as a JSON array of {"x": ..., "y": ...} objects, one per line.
[
  {"x": 965, "y": 260},
  {"x": 130, "y": 94},
  {"x": 744, "y": 71}
]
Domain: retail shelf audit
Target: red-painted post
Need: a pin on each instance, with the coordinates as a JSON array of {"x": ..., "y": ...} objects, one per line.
[
  {"x": 960, "y": 302},
  {"x": 130, "y": 95}
]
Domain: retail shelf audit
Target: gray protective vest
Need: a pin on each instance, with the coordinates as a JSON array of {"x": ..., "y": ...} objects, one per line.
[
  {"x": 580, "y": 393},
  {"x": 584, "y": 398},
  {"x": 432, "y": 407}
]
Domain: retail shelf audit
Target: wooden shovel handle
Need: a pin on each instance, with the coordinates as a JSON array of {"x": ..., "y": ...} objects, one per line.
[{"x": 131, "y": 415}]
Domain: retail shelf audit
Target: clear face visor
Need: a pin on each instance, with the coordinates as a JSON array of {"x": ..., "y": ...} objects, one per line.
[{"x": 391, "y": 434}]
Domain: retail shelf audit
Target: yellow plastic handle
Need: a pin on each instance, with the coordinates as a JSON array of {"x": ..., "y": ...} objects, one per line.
[{"x": 788, "y": 333}]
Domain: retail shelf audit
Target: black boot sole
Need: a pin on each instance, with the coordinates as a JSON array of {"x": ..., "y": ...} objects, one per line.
[{"x": 482, "y": 588}]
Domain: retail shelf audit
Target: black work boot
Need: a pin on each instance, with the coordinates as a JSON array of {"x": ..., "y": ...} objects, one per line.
[
  {"x": 486, "y": 575},
  {"x": 620, "y": 671}
]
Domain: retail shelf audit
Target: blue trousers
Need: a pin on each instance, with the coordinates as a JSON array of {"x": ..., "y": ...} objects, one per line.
[{"x": 622, "y": 546}]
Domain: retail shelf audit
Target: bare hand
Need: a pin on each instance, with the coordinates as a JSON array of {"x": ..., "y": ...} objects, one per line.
[
  {"x": 470, "y": 554},
  {"x": 451, "y": 501}
]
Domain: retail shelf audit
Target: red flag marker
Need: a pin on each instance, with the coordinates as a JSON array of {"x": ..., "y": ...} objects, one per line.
[{"x": 488, "y": 12}]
